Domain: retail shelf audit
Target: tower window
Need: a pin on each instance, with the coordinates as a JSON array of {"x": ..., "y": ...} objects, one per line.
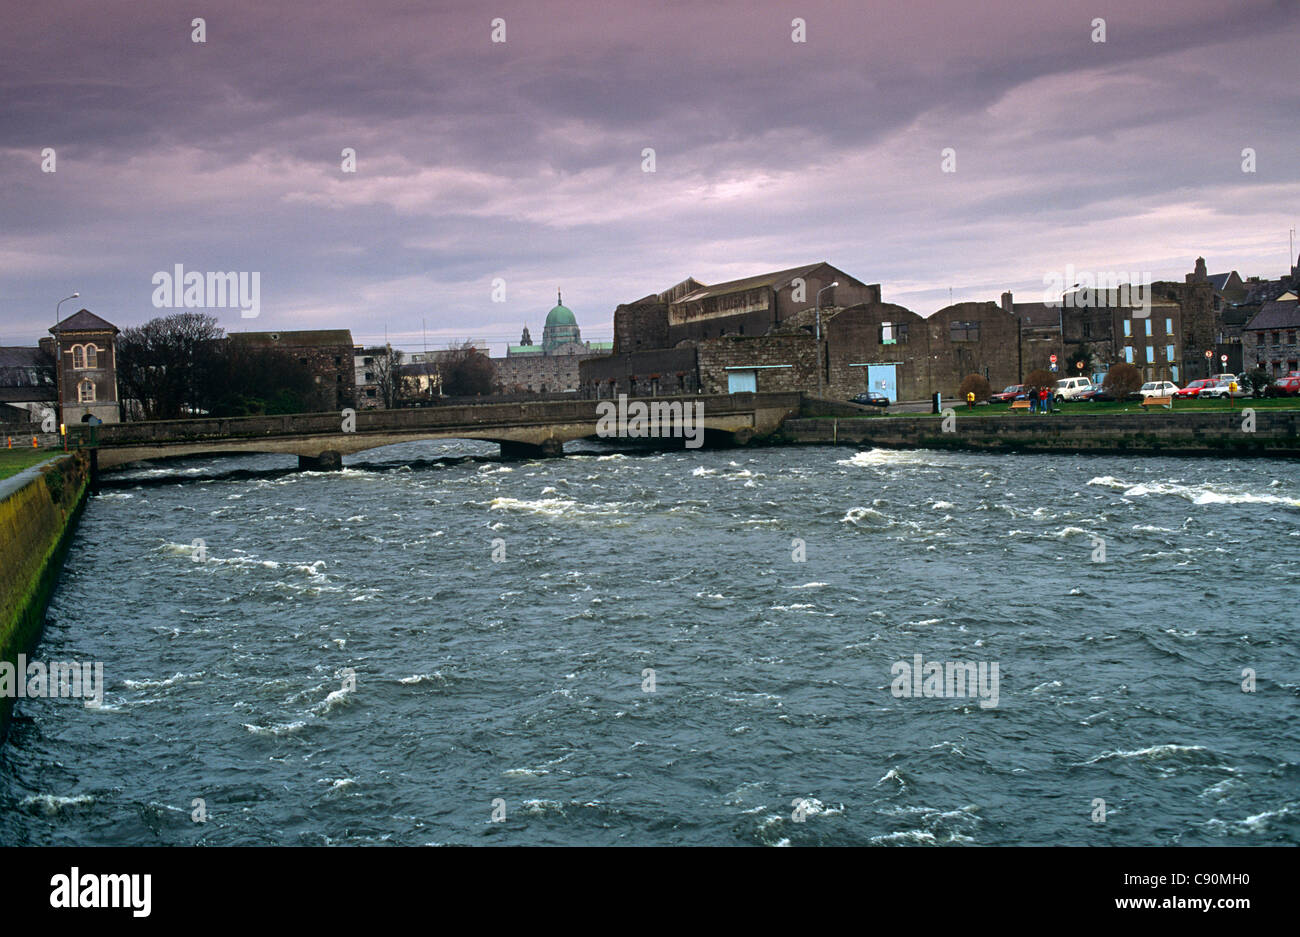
[{"x": 86, "y": 392}]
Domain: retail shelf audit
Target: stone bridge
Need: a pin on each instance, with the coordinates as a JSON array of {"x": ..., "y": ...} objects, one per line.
[{"x": 523, "y": 430}]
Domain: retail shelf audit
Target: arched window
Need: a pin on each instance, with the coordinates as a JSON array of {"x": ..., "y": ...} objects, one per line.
[
  {"x": 92, "y": 356},
  {"x": 86, "y": 392},
  {"x": 78, "y": 356}
]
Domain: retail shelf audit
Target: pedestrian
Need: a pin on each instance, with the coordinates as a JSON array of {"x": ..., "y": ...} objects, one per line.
[
  {"x": 1045, "y": 400},
  {"x": 1033, "y": 399}
]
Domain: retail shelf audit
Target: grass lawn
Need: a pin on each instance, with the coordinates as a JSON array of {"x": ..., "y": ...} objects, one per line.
[{"x": 13, "y": 461}]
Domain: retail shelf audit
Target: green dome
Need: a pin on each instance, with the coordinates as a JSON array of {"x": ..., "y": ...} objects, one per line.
[{"x": 561, "y": 315}]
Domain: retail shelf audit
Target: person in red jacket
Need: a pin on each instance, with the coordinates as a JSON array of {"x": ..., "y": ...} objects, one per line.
[{"x": 1045, "y": 400}]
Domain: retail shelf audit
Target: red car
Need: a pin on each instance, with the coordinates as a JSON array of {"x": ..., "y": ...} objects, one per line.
[
  {"x": 1284, "y": 387},
  {"x": 1194, "y": 389},
  {"x": 1008, "y": 394}
]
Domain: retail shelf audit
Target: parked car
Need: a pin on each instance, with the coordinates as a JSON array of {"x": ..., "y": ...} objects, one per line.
[
  {"x": 1158, "y": 389},
  {"x": 1008, "y": 393},
  {"x": 1070, "y": 388},
  {"x": 1283, "y": 387},
  {"x": 1102, "y": 395},
  {"x": 871, "y": 398},
  {"x": 1224, "y": 377},
  {"x": 1090, "y": 393},
  {"x": 1194, "y": 388},
  {"x": 1219, "y": 389}
]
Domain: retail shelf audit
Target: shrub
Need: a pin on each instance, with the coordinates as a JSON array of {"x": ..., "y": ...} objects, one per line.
[
  {"x": 976, "y": 384},
  {"x": 1039, "y": 378},
  {"x": 1123, "y": 379}
]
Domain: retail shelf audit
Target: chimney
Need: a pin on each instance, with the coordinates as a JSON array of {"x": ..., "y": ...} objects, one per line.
[{"x": 1006, "y": 301}]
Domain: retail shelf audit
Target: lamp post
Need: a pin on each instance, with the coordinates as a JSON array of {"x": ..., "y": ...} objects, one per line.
[
  {"x": 818, "y": 308},
  {"x": 58, "y": 357}
]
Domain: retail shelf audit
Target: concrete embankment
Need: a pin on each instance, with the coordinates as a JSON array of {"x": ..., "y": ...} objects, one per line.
[
  {"x": 39, "y": 508},
  {"x": 1159, "y": 432}
]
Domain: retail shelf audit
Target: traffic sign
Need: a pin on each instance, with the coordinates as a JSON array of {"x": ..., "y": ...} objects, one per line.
[
  {"x": 1223, "y": 358},
  {"x": 1052, "y": 359},
  {"x": 1209, "y": 354}
]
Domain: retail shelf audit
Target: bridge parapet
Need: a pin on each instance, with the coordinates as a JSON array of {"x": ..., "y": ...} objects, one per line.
[{"x": 528, "y": 413}]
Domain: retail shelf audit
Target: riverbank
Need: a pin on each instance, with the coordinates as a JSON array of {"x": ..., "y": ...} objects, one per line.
[
  {"x": 39, "y": 508},
  {"x": 1245, "y": 431}
]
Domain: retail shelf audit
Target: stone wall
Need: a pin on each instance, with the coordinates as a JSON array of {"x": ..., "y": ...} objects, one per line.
[
  {"x": 783, "y": 362},
  {"x": 38, "y": 512},
  {"x": 1158, "y": 432}
]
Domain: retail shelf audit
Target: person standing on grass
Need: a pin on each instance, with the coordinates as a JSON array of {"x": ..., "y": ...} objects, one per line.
[{"x": 1045, "y": 400}]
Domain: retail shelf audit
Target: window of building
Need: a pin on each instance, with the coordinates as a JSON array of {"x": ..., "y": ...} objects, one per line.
[
  {"x": 1169, "y": 352},
  {"x": 1277, "y": 338},
  {"x": 1128, "y": 327},
  {"x": 92, "y": 356},
  {"x": 86, "y": 392},
  {"x": 1290, "y": 338},
  {"x": 78, "y": 356},
  {"x": 1173, "y": 373},
  {"x": 964, "y": 332},
  {"x": 1151, "y": 354},
  {"x": 1169, "y": 326},
  {"x": 1087, "y": 330},
  {"x": 1148, "y": 326},
  {"x": 1128, "y": 353}
]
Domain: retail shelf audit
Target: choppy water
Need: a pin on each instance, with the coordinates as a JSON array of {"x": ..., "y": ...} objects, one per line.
[{"x": 523, "y": 680}]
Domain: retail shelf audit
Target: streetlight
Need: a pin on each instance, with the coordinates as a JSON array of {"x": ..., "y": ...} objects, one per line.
[
  {"x": 818, "y": 304},
  {"x": 58, "y": 357},
  {"x": 60, "y": 303}
]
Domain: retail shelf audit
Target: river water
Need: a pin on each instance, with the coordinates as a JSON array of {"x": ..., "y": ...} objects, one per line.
[{"x": 648, "y": 662}]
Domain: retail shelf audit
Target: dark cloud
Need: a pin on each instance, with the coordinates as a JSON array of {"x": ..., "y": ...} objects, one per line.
[{"x": 523, "y": 160}]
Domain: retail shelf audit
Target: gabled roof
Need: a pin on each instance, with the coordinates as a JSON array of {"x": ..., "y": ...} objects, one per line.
[
  {"x": 1279, "y": 314},
  {"x": 774, "y": 279},
  {"x": 84, "y": 321},
  {"x": 308, "y": 338}
]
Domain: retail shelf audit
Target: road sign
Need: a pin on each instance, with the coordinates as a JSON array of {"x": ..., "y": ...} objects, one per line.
[
  {"x": 1209, "y": 354},
  {"x": 1223, "y": 358},
  {"x": 1052, "y": 359}
]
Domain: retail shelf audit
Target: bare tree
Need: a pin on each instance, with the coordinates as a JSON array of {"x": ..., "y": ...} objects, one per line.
[
  {"x": 466, "y": 371},
  {"x": 169, "y": 364},
  {"x": 388, "y": 379}
]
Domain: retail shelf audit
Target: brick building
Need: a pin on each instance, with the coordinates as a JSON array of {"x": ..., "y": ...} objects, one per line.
[
  {"x": 85, "y": 348},
  {"x": 328, "y": 354}
]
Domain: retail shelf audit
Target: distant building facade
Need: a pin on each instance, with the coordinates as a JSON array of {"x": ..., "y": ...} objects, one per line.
[
  {"x": 328, "y": 355},
  {"x": 552, "y": 366}
]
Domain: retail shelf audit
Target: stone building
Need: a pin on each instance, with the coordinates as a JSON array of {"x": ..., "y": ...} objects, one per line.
[
  {"x": 1269, "y": 339},
  {"x": 328, "y": 354},
  {"x": 85, "y": 348},
  {"x": 553, "y": 366}
]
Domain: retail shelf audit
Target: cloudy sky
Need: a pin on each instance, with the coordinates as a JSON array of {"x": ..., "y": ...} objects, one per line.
[{"x": 523, "y": 160}]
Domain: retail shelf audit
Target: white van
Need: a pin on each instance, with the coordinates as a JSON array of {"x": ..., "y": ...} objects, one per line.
[{"x": 1071, "y": 387}]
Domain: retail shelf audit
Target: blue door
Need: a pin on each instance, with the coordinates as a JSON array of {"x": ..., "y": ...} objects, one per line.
[
  {"x": 881, "y": 378},
  {"x": 742, "y": 382}
]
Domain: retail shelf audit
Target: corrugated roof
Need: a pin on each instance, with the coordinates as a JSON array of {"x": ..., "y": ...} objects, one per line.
[
  {"x": 1279, "y": 314},
  {"x": 84, "y": 321},
  {"x": 307, "y": 338},
  {"x": 750, "y": 283}
]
